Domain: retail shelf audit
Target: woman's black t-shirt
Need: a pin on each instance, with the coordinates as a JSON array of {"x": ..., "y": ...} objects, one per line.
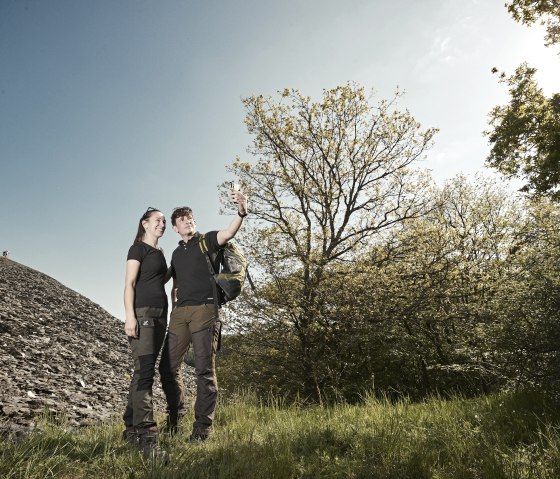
[{"x": 149, "y": 289}]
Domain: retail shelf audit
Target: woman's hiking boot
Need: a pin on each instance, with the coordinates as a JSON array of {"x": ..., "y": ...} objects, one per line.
[{"x": 148, "y": 444}]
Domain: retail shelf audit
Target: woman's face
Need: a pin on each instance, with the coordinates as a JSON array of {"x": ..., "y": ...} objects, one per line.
[{"x": 155, "y": 224}]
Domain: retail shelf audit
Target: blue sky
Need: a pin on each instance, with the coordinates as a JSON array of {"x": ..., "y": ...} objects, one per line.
[{"x": 110, "y": 106}]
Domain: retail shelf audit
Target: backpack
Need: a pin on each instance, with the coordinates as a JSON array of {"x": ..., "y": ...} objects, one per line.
[{"x": 232, "y": 269}]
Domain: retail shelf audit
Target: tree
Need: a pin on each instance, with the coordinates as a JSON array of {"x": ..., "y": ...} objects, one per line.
[
  {"x": 547, "y": 12},
  {"x": 415, "y": 313},
  {"x": 527, "y": 335},
  {"x": 330, "y": 178},
  {"x": 450, "y": 266},
  {"x": 526, "y": 134}
]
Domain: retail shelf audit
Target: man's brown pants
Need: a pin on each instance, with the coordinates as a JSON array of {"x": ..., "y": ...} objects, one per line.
[{"x": 194, "y": 325}]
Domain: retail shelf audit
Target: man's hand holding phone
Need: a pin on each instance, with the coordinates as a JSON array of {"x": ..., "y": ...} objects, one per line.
[{"x": 238, "y": 197}]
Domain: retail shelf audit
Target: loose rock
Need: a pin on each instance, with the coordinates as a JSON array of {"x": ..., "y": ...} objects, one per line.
[{"x": 60, "y": 353}]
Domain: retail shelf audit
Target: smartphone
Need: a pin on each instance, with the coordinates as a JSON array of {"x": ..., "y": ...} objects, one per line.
[{"x": 235, "y": 187}]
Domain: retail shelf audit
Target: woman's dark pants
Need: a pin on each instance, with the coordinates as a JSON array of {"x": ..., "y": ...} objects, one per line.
[{"x": 152, "y": 324}]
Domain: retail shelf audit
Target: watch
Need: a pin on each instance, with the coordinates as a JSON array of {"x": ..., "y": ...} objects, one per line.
[{"x": 242, "y": 215}]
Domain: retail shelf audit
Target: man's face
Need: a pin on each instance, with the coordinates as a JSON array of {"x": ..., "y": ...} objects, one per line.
[{"x": 185, "y": 226}]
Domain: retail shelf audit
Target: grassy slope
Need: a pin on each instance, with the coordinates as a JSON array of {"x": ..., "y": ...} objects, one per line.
[{"x": 502, "y": 436}]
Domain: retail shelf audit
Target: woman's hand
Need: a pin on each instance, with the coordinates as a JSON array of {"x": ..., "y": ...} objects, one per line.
[
  {"x": 130, "y": 323},
  {"x": 131, "y": 327}
]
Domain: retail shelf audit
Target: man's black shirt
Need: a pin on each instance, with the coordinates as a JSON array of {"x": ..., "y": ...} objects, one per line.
[{"x": 190, "y": 270}]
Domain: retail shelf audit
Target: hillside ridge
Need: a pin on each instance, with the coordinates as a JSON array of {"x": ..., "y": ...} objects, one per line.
[{"x": 59, "y": 351}]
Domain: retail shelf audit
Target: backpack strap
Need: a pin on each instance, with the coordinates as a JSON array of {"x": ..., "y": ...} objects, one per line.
[
  {"x": 248, "y": 276},
  {"x": 204, "y": 249},
  {"x": 212, "y": 271}
]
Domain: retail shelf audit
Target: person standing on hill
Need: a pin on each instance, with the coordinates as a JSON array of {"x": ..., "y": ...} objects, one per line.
[
  {"x": 194, "y": 318},
  {"x": 145, "y": 304}
]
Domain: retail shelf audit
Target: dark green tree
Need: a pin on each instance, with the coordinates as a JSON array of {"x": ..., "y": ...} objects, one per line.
[
  {"x": 546, "y": 12},
  {"x": 525, "y": 134}
]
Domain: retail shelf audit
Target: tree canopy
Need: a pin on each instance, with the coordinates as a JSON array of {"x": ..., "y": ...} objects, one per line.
[
  {"x": 330, "y": 177},
  {"x": 370, "y": 277},
  {"x": 547, "y": 12},
  {"x": 463, "y": 298},
  {"x": 525, "y": 135}
]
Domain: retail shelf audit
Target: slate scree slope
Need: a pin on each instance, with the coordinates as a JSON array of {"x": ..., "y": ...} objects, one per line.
[{"x": 60, "y": 352}]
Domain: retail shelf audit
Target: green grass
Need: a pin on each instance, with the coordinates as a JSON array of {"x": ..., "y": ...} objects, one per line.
[{"x": 500, "y": 436}]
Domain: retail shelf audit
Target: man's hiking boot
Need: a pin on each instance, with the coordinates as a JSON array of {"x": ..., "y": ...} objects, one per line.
[
  {"x": 197, "y": 438},
  {"x": 129, "y": 435},
  {"x": 171, "y": 425},
  {"x": 148, "y": 445}
]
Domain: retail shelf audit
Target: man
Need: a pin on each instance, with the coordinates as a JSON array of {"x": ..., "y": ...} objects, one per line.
[{"x": 193, "y": 320}]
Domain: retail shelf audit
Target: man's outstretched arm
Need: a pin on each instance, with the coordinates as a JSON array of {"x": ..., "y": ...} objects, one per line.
[{"x": 225, "y": 235}]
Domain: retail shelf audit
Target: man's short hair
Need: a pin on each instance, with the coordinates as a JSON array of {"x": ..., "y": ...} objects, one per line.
[{"x": 179, "y": 212}]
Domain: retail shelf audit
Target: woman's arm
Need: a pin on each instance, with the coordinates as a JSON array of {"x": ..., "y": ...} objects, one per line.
[
  {"x": 130, "y": 323},
  {"x": 167, "y": 275},
  {"x": 174, "y": 294}
]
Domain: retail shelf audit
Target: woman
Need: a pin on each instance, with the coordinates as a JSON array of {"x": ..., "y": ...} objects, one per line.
[{"x": 145, "y": 304}]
